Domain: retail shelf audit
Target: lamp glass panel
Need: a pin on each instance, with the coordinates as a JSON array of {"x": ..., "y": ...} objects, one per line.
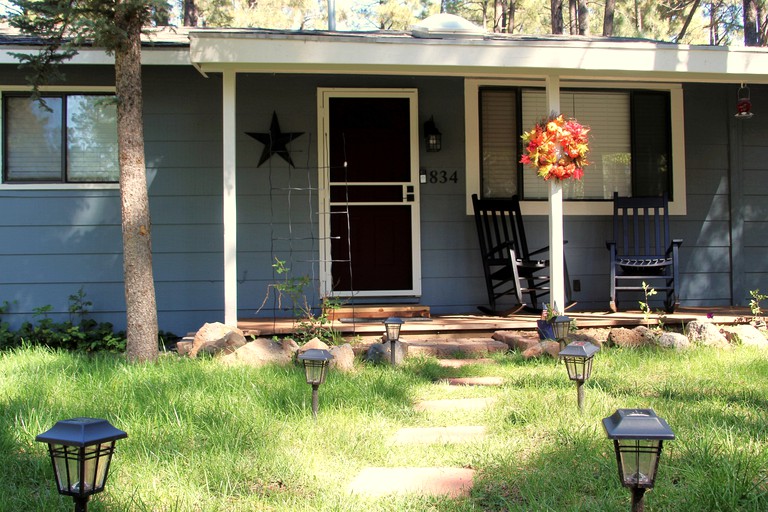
[
  {"x": 579, "y": 368},
  {"x": 639, "y": 459},
  {"x": 315, "y": 371},
  {"x": 66, "y": 464},
  {"x": 96, "y": 464},
  {"x": 561, "y": 329},
  {"x": 393, "y": 331}
]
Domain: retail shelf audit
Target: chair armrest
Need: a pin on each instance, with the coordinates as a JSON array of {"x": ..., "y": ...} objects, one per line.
[
  {"x": 543, "y": 249},
  {"x": 609, "y": 244},
  {"x": 676, "y": 243}
]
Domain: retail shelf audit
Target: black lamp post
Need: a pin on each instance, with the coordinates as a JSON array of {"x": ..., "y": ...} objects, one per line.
[
  {"x": 578, "y": 362},
  {"x": 560, "y": 326},
  {"x": 637, "y": 438},
  {"x": 393, "y": 325},
  {"x": 316, "y": 368},
  {"x": 81, "y": 450}
]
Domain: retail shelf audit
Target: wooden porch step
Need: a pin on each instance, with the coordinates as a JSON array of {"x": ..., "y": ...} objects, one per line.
[{"x": 369, "y": 311}]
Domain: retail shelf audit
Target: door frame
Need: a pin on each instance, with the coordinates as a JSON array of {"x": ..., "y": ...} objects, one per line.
[{"x": 324, "y": 94}]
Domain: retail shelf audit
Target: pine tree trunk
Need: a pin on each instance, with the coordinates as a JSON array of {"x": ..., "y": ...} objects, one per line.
[
  {"x": 750, "y": 23},
  {"x": 573, "y": 24},
  {"x": 583, "y": 18},
  {"x": 141, "y": 308},
  {"x": 190, "y": 13},
  {"x": 557, "y": 16},
  {"x": 610, "y": 8}
]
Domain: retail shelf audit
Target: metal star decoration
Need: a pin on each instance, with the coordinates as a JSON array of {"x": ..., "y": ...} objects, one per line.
[{"x": 275, "y": 142}]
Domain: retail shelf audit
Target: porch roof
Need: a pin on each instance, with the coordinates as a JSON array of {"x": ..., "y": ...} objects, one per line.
[{"x": 492, "y": 55}]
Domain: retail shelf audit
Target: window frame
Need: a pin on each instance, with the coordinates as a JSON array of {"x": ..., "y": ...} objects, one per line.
[
  {"x": 63, "y": 90},
  {"x": 472, "y": 88}
]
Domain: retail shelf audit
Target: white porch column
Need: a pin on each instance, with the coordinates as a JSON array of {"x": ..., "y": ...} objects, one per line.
[
  {"x": 229, "y": 174},
  {"x": 557, "y": 271}
]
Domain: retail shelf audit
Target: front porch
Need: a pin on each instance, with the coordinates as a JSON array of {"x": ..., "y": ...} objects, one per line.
[{"x": 366, "y": 322}]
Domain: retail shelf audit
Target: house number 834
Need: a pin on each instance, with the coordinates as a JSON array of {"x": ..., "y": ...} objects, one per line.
[{"x": 443, "y": 177}]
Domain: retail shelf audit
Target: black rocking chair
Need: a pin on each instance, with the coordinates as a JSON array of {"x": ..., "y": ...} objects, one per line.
[
  {"x": 642, "y": 250},
  {"x": 509, "y": 267}
]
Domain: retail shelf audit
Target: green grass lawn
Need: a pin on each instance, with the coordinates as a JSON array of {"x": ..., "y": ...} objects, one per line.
[{"x": 203, "y": 437}]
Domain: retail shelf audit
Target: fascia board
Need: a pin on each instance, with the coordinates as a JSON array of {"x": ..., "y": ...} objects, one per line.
[
  {"x": 216, "y": 52},
  {"x": 95, "y": 56}
]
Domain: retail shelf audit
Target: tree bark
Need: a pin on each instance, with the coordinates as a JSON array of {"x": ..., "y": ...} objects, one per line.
[
  {"x": 610, "y": 8},
  {"x": 573, "y": 17},
  {"x": 583, "y": 18},
  {"x": 190, "y": 13},
  {"x": 557, "y": 16},
  {"x": 750, "y": 23},
  {"x": 141, "y": 308}
]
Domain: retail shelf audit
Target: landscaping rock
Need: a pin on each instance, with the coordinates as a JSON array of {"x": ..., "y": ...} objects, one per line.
[
  {"x": 745, "y": 335},
  {"x": 516, "y": 340},
  {"x": 673, "y": 340},
  {"x": 597, "y": 337},
  {"x": 706, "y": 333},
  {"x": 380, "y": 353},
  {"x": 215, "y": 336},
  {"x": 262, "y": 351},
  {"x": 314, "y": 343},
  {"x": 541, "y": 349},
  {"x": 343, "y": 358},
  {"x": 627, "y": 338}
]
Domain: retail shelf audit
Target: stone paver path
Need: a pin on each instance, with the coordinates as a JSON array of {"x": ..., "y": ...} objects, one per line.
[
  {"x": 425, "y": 435},
  {"x": 454, "y": 482},
  {"x": 453, "y": 404},
  {"x": 473, "y": 381},
  {"x": 459, "y": 363}
]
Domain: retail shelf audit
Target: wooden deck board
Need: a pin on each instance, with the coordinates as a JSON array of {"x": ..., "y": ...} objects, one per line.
[{"x": 463, "y": 325}]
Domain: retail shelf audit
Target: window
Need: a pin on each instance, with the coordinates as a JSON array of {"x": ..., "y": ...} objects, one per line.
[
  {"x": 636, "y": 142},
  {"x": 70, "y": 139},
  {"x": 615, "y": 118}
]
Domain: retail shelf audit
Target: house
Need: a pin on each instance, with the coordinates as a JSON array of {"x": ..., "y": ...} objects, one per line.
[{"x": 348, "y": 194}]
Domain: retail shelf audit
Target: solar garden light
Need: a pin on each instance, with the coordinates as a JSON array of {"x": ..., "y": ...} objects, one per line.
[
  {"x": 637, "y": 438},
  {"x": 393, "y": 325},
  {"x": 577, "y": 357},
  {"x": 316, "y": 368},
  {"x": 560, "y": 326},
  {"x": 81, "y": 450}
]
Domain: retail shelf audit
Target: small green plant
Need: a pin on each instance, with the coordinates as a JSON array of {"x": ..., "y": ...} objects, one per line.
[
  {"x": 648, "y": 291},
  {"x": 310, "y": 325},
  {"x": 754, "y": 302},
  {"x": 78, "y": 306}
]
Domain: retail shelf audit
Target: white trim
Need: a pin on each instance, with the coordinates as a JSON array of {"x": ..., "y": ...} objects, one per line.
[
  {"x": 472, "y": 137},
  {"x": 94, "y": 56},
  {"x": 229, "y": 178},
  {"x": 323, "y": 95},
  {"x": 556, "y": 268},
  {"x": 497, "y": 55}
]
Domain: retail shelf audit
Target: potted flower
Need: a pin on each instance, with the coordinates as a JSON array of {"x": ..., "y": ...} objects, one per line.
[{"x": 557, "y": 147}]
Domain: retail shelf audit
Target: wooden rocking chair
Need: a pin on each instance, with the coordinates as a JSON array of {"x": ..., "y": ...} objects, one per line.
[
  {"x": 508, "y": 266},
  {"x": 642, "y": 250}
]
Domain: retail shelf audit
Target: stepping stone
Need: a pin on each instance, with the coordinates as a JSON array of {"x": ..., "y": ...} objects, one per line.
[
  {"x": 473, "y": 381},
  {"x": 454, "y": 482},
  {"x": 448, "y": 347},
  {"x": 458, "y": 363},
  {"x": 454, "y": 404},
  {"x": 427, "y": 435}
]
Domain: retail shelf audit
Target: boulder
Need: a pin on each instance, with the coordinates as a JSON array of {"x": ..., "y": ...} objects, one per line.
[
  {"x": 516, "y": 340},
  {"x": 226, "y": 345},
  {"x": 745, "y": 335},
  {"x": 593, "y": 336},
  {"x": 627, "y": 338},
  {"x": 673, "y": 340},
  {"x": 380, "y": 353},
  {"x": 214, "y": 334},
  {"x": 541, "y": 349},
  {"x": 262, "y": 351},
  {"x": 706, "y": 333},
  {"x": 343, "y": 358},
  {"x": 314, "y": 343}
]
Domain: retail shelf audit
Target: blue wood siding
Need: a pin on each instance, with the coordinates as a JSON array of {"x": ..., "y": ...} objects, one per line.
[{"x": 54, "y": 242}]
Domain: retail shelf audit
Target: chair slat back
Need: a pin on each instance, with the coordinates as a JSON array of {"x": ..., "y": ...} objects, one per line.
[
  {"x": 641, "y": 225},
  {"x": 499, "y": 225}
]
